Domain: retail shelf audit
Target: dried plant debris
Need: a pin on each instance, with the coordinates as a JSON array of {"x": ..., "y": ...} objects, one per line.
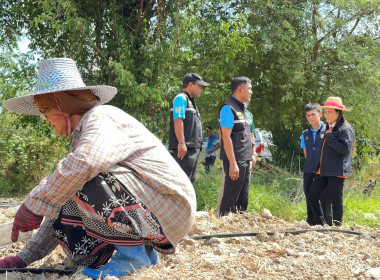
[{"x": 278, "y": 255}]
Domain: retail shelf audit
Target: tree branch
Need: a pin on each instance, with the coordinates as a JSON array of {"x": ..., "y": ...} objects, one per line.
[
  {"x": 141, "y": 10},
  {"x": 358, "y": 15},
  {"x": 314, "y": 11},
  {"x": 160, "y": 15},
  {"x": 354, "y": 27}
]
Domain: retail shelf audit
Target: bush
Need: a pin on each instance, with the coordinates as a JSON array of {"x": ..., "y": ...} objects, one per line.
[
  {"x": 26, "y": 156},
  {"x": 207, "y": 186},
  {"x": 282, "y": 193}
]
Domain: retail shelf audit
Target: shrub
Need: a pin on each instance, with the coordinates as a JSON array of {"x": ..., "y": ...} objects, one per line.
[{"x": 26, "y": 156}]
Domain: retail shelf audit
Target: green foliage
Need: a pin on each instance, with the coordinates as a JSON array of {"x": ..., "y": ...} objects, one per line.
[
  {"x": 206, "y": 187},
  {"x": 282, "y": 193},
  {"x": 359, "y": 206},
  {"x": 294, "y": 52},
  {"x": 362, "y": 210},
  {"x": 308, "y": 51},
  {"x": 16, "y": 73},
  {"x": 273, "y": 191},
  {"x": 26, "y": 156}
]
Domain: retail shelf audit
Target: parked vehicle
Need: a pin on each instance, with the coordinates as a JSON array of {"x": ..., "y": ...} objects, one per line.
[{"x": 263, "y": 144}]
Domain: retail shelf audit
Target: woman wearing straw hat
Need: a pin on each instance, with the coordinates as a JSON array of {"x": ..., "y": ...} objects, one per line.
[
  {"x": 335, "y": 162},
  {"x": 117, "y": 189}
]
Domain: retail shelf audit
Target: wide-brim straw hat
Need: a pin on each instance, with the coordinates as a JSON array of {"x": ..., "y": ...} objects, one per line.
[
  {"x": 334, "y": 103},
  {"x": 56, "y": 75}
]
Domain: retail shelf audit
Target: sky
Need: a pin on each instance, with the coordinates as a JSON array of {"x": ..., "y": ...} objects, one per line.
[{"x": 23, "y": 45}]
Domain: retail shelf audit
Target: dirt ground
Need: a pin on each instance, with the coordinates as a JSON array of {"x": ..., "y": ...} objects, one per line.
[{"x": 281, "y": 255}]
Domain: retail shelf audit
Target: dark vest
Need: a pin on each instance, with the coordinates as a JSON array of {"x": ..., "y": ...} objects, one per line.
[
  {"x": 192, "y": 125},
  {"x": 241, "y": 132},
  {"x": 313, "y": 149}
]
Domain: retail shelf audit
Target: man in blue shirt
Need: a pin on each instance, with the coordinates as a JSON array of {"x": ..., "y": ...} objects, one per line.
[
  {"x": 236, "y": 148},
  {"x": 185, "y": 136},
  {"x": 311, "y": 143},
  {"x": 212, "y": 146}
]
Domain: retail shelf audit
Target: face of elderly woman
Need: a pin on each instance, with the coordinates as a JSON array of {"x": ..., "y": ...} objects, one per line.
[
  {"x": 331, "y": 115},
  {"x": 56, "y": 120}
]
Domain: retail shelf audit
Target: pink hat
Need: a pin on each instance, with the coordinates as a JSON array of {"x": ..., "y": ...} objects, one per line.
[{"x": 334, "y": 103}]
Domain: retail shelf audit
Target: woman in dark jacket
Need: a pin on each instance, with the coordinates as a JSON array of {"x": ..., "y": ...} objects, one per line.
[{"x": 335, "y": 162}]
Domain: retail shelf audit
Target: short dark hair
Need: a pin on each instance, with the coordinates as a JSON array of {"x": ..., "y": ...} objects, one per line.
[
  {"x": 312, "y": 106},
  {"x": 237, "y": 81},
  {"x": 208, "y": 127}
]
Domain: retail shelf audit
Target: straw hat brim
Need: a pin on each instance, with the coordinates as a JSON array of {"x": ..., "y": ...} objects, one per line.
[
  {"x": 334, "y": 107},
  {"x": 24, "y": 104}
]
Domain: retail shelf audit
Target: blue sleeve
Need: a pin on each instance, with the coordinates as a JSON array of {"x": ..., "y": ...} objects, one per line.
[
  {"x": 303, "y": 146},
  {"x": 179, "y": 107},
  {"x": 214, "y": 140},
  {"x": 226, "y": 117}
]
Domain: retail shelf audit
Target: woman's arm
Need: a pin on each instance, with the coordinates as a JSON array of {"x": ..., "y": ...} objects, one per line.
[
  {"x": 101, "y": 144},
  {"x": 40, "y": 245},
  {"x": 343, "y": 144}
]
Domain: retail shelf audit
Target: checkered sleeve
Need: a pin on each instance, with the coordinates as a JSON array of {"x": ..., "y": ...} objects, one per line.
[
  {"x": 40, "y": 245},
  {"x": 99, "y": 146}
]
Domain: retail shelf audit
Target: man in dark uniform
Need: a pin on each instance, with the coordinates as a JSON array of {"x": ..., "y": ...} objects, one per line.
[
  {"x": 311, "y": 143},
  {"x": 185, "y": 136},
  {"x": 236, "y": 148}
]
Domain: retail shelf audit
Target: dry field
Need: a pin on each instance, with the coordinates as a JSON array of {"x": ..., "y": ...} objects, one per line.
[{"x": 310, "y": 255}]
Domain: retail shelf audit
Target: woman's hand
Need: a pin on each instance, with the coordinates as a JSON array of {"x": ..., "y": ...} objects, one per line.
[
  {"x": 25, "y": 220},
  {"x": 12, "y": 262}
]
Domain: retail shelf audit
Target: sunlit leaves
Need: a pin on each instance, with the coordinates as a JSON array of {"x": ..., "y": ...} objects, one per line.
[{"x": 294, "y": 52}]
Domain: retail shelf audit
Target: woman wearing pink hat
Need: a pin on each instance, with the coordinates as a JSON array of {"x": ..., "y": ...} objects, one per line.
[
  {"x": 335, "y": 162},
  {"x": 118, "y": 188}
]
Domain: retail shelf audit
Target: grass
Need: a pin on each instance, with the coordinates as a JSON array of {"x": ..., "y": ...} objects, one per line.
[
  {"x": 362, "y": 210},
  {"x": 282, "y": 193}
]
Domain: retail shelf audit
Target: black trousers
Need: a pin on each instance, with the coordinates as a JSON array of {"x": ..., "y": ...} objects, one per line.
[
  {"x": 188, "y": 163},
  {"x": 325, "y": 202},
  {"x": 235, "y": 193},
  {"x": 333, "y": 187},
  {"x": 209, "y": 162}
]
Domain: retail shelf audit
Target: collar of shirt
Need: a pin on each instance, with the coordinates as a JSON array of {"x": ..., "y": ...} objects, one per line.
[
  {"x": 245, "y": 105},
  {"x": 320, "y": 125}
]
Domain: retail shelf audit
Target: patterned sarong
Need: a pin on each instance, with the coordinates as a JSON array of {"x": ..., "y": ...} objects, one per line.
[{"x": 103, "y": 214}]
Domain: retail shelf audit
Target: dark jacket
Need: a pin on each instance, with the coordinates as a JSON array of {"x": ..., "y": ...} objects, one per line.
[
  {"x": 313, "y": 148},
  {"x": 241, "y": 132},
  {"x": 192, "y": 125},
  {"x": 337, "y": 151}
]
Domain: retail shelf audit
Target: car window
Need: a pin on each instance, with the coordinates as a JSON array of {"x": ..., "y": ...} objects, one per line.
[{"x": 258, "y": 136}]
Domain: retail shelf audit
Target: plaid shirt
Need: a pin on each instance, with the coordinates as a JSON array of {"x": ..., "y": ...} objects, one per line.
[{"x": 109, "y": 140}]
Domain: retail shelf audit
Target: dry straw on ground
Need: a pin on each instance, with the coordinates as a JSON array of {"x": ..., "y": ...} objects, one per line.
[{"x": 311, "y": 255}]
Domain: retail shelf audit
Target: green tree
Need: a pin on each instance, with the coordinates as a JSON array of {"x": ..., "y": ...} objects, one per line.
[
  {"x": 309, "y": 50},
  {"x": 294, "y": 51},
  {"x": 28, "y": 149},
  {"x": 141, "y": 47},
  {"x": 26, "y": 155}
]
